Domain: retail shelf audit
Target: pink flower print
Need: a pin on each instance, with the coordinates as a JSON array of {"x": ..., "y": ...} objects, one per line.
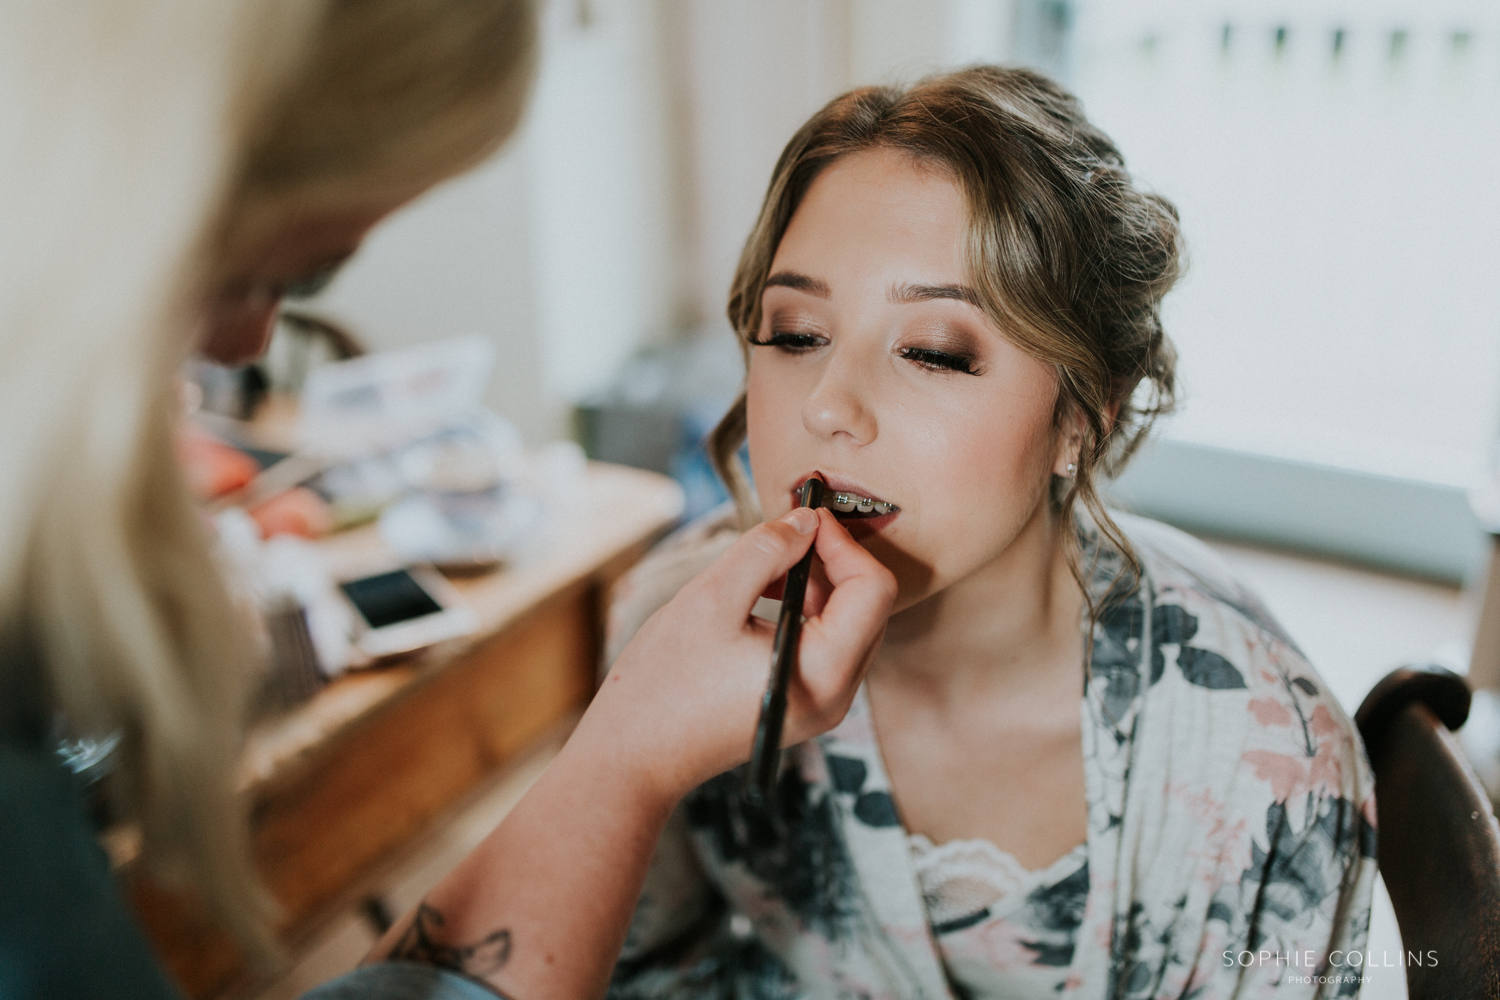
[
  {"x": 1289, "y": 775},
  {"x": 1325, "y": 769},
  {"x": 1322, "y": 724},
  {"x": 1270, "y": 712}
]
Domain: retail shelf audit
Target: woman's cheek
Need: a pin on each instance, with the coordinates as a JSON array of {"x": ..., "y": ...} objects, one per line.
[
  {"x": 767, "y": 436},
  {"x": 993, "y": 468}
]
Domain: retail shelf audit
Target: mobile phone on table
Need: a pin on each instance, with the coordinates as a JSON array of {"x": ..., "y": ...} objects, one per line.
[{"x": 406, "y": 609}]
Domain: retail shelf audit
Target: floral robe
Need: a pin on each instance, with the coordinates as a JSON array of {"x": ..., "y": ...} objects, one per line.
[{"x": 1231, "y": 840}]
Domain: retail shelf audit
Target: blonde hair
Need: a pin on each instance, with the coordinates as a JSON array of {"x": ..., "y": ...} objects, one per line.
[
  {"x": 141, "y": 141},
  {"x": 1069, "y": 259},
  {"x": 395, "y": 95}
]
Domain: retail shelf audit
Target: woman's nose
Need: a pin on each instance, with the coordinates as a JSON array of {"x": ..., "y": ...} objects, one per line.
[{"x": 837, "y": 408}]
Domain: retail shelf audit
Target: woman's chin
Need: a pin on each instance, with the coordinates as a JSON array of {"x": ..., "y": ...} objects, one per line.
[{"x": 914, "y": 576}]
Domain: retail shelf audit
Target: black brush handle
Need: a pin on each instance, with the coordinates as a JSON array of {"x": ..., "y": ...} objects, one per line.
[{"x": 765, "y": 752}]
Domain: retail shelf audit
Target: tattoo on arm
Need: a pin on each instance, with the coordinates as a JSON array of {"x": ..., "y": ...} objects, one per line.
[{"x": 419, "y": 944}]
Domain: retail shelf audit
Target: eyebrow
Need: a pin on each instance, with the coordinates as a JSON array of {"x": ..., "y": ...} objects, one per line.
[
  {"x": 800, "y": 282},
  {"x": 907, "y": 293},
  {"x": 904, "y": 294}
]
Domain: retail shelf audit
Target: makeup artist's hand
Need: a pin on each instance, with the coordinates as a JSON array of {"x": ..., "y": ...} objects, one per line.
[
  {"x": 684, "y": 695},
  {"x": 539, "y": 909}
]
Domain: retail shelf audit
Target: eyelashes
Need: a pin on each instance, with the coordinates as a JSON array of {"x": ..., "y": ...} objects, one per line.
[
  {"x": 929, "y": 359},
  {"x": 790, "y": 343},
  {"x": 940, "y": 360}
]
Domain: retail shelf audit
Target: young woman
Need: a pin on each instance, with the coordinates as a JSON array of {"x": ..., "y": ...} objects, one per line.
[{"x": 1086, "y": 762}]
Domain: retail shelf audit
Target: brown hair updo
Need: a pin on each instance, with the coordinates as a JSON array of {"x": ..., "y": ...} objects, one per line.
[{"x": 1069, "y": 259}]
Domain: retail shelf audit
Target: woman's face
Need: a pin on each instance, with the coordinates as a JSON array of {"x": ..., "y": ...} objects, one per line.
[{"x": 881, "y": 372}]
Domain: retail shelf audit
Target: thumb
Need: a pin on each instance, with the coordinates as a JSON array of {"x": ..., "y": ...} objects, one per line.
[
  {"x": 761, "y": 555},
  {"x": 838, "y": 641}
]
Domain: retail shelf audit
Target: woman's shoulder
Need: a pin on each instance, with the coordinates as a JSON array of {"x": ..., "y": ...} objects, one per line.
[
  {"x": 1167, "y": 552},
  {"x": 658, "y": 577},
  {"x": 1248, "y": 683},
  {"x": 1182, "y": 569},
  {"x": 1219, "y": 631}
]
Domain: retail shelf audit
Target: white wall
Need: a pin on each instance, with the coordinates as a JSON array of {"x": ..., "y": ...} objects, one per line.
[
  {"x": 606, "y": 235},
  {"x": 458, "y": 261},
  {"x": 566, "y": 247},
  {"x": 752, "y": 70}
]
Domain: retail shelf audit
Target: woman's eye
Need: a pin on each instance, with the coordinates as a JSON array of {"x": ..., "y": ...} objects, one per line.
[
  {"x": 792, "y": 343},
  {"x": 939, "y": 360}
]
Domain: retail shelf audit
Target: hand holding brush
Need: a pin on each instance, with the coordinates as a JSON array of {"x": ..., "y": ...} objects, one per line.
[{"x": 765, "y": 753}]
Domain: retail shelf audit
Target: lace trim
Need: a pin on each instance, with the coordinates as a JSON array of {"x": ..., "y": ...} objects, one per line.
[{"x": 961, "y": 878}]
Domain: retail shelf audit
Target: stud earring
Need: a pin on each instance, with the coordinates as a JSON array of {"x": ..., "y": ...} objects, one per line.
[{"x": 1072, "y": 469}]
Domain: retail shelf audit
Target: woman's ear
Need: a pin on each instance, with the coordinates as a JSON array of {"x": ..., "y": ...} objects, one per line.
[{"x": 1069, "y": 442}]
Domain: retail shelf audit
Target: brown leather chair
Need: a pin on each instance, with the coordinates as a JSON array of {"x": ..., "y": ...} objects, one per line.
[{"x": 1439, "y": 845}]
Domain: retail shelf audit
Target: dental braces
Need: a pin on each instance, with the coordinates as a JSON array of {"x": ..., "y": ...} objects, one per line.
[{"x": 853, "y": 503}]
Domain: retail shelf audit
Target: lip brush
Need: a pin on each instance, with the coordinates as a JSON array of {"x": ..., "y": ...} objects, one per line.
[{"x": 765, "y": 752}]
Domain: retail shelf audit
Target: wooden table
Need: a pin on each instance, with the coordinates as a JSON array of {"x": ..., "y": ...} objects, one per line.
[{"x": 355, "y": 779}]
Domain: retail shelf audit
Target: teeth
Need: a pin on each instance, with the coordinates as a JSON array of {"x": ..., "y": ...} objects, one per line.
[{"x": 852, "y": 503}]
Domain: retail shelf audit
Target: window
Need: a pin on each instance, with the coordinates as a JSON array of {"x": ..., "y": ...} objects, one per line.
[{"x": 1339, "y": 324}]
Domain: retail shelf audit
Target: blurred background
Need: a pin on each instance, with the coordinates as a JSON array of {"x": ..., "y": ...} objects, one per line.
[{"x": 1339, "y": 327}]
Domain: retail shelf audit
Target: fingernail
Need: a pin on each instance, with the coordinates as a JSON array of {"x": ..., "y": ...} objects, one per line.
[{"x": 804, "y": 519}]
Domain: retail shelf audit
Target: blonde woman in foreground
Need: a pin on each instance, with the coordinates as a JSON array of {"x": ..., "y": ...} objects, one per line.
[{"x": 167, "y": 171}]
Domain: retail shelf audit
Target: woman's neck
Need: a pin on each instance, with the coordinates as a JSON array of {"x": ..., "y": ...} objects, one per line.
[{"x": 1008, "y": 628}]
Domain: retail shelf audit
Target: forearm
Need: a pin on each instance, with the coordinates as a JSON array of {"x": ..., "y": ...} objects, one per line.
[{"x": 539, "y": 910}]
